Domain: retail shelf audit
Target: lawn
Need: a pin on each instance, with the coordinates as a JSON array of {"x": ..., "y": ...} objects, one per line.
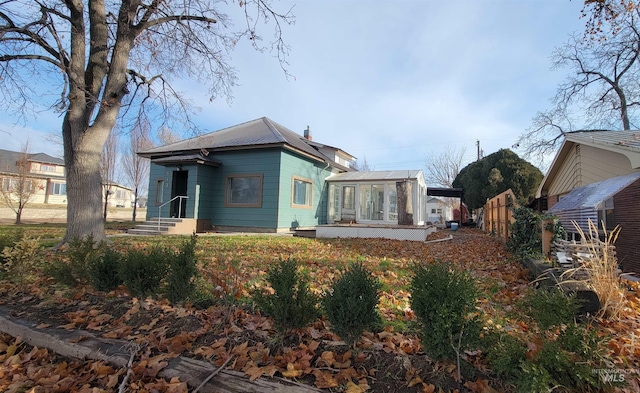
[{"x": 389, "y": 359}]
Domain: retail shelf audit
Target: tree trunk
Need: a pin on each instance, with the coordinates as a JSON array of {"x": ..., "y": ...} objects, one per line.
[
  {"x": 135, "y": 204},
  {"x": 82, "y": 150},
  {"x": 106, "y": 203},
  {"x": 405, "y": 210},
  {"x": 18, "y": 216}
]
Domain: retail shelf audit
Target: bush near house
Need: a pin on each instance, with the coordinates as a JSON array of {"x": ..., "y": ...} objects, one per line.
[{"x": 392, "y": 358}]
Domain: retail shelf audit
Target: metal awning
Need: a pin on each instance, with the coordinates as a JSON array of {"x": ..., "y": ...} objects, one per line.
[
  {"x": 445, "y": 192},
  {"x": 582, "y": 204},
  {"x": 187, "y": 159}
]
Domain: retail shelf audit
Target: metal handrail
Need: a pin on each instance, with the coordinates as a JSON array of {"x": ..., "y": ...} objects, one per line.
[{"x": 169, "y": 201}]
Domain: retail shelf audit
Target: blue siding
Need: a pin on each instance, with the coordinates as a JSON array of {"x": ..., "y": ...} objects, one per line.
[
  {"x": 265, "y": 162},
  {"x": 278, "y": 167},
  {"x": 292, "y": 166},
  {"x": 158, "y": 172}
]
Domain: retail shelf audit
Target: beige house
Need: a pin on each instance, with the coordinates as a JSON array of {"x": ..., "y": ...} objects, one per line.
[
  {"x": 587, "y": 157},
  {"x": 596, "y": 176},
  {"x": 47, "y": 174}
]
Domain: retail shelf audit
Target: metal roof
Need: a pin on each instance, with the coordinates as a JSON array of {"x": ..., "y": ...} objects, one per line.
[
  {"x": 262, "y": 132},
  {"x": 593, "y": 195},
  {"x": 446, "y": 192},
  {"x": 376, "y": 175},
  {"x": 628, "y": 140},
  {"x": 582, "y": 204}
]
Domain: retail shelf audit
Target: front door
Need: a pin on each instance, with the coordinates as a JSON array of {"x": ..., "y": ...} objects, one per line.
[{"x": 179, "y": 205}]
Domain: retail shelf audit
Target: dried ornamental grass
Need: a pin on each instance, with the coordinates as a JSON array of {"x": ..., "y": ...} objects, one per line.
[{"x": 600, "y": 268}]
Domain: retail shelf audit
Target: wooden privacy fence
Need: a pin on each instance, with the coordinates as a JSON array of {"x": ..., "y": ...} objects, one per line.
[{"x": 498, "y": 214}]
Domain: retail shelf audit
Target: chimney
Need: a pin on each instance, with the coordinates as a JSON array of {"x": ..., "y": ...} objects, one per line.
[{"x": 307, "y": 134}]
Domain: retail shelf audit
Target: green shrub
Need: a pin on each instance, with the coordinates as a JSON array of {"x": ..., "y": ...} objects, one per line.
[
  {"x": 525, "y": 233},
  {"x": 560, "y": 354},
  {"x": 104, "y": 270},
  {"x": 182, "y": 271},
  {"x": 351, "y": 305},
  {"x": 9, "y": 240},
  {"x": 505, "y": 353},
  {"x": 80, "y": 253},
  {"x": 142, "y": 272},
  {"x": 61, "y": 271},
  {"x": 291, "y": 304},
  {"x": 444, "y": 301},
  {"x": 550, "y": 307},
  {"x": 19, "y": 259}
]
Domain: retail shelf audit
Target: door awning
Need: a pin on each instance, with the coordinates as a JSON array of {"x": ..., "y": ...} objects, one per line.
[{"x": 187, "y": 159}]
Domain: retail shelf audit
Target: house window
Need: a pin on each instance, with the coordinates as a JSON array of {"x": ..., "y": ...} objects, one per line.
[
  {"x": 58, "y": 188},
  {"x": 159, "y": 191},
  {"x": 121, "y": 194},
  {"x": 301, "y": 196},
  {"x": 433, "y": 211},
  {"x": 47, "y": 168},
  {"x": 243, "y": 191},
  {"x": 439, "y": 211},
  {"x": 6, "y": 184},
  {"x": 605, "y": 215}
]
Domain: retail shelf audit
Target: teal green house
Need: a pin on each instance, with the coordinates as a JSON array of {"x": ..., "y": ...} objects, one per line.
[{"x": 257, "y": 176}]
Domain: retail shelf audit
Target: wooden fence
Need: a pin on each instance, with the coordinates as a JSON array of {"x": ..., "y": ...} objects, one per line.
[{"x": 498, "y": 214}]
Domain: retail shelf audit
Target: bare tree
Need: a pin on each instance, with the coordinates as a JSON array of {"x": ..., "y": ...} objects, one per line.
[
  {"x": 136, "y": 168},
  {"x": 443, "y": 168},
  {"x": 602, "y": 89},
  {"x": 108, "y": 168},
  {"x": 363, "y": 165},
  {"x": 114, "y": 59},
  {"x": 20, "y": 188},
  {"x": 167, "y": 136}
]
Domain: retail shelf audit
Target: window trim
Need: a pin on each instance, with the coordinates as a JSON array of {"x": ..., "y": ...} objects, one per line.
[
  {"x": 308, "y": 205},
  {"x": 227, "y": 190},
  {"x": 159, "y": 191},
  {"x": 59, "y": 184}
]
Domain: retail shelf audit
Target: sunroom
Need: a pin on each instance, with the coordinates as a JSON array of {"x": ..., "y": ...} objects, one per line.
[{"x": 371, "y": 197}]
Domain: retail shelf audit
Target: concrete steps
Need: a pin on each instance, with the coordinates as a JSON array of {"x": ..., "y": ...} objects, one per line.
[{"x": 156, "y": 227}]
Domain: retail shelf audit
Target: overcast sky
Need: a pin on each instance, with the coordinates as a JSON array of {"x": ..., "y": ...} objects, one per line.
[{"x": 389, "y": 81}]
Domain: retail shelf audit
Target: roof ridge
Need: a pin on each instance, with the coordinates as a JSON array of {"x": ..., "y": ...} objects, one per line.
[{"x": 272, "y": 127}]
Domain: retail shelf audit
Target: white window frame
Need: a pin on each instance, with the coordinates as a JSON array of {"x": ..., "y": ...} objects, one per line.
[{"x": 308, "y": 203}]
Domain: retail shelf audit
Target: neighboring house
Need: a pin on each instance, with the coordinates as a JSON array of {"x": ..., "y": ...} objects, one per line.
[
  {"x": 256, "y": 176},
  {"x": 119, "y": 196},
  {"x": 260, "y": 176},
  {"x": 595, "y": 175},
  {"x": 45, "y": 170},
  {"x": 49, "y": 175},
  {"x": 438, "y": 211}
]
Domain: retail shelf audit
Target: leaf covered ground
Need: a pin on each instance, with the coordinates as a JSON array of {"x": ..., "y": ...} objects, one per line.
[{"x": 388, "y": 360}]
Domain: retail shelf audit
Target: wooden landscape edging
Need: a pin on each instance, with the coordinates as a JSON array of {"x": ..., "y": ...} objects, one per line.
[{"x": 192, "y": 371}]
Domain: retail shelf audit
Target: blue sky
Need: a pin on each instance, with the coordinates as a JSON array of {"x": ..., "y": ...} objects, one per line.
[{"x": 391, "y": 81}]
